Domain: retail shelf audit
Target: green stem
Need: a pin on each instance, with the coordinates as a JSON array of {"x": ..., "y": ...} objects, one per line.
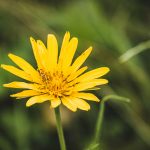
[
  {"x": 60, "y": 129},
  {"x": 95, "y": 144},
  {"x": 101, "y": 113},
  {"x": 99, "y": 122}
]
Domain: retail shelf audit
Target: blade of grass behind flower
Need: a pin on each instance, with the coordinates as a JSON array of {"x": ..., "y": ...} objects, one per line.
[{"x": 134, "y": 51}]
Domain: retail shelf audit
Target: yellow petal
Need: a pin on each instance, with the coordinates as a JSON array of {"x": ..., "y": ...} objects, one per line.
[
  {"x": 81, "y": 104},
  {"x": 52, "y": 47},
  {"x": 77, "y": 73},
  {"x": 68, "y": 103},
  {"x": 86, "y": 85},
  {"x": 41, "y": 47},
  {"x": 92, "y": 89},
  {"x": 24, "y": 65},
  {"x": 96, "y": 73},
  {"x": 36, "y": 53},
  {"x": 43, "y": 54},
  {"x": 70, "y": 51},
  {"x": 55, "y": 102},
  {"x": 87, "y": 96},
  {"x": 63, "y": 47},
  {"x": 20, "y": 85},
  {"x": 17, "y": 72},
  {"x": 38, "y": 99},
  {"x": 81, "y": 59},
  {"x": 83, "y": 86},
  {"x": 99, "y": 81},
  {"x": 25, "y": 93}
]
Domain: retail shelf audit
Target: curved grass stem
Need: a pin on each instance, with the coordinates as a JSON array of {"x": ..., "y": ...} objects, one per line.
[{"x": 95, "y": 145}]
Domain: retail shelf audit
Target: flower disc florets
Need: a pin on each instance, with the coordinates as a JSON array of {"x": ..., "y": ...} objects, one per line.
[{"x": 55, "y": 84}]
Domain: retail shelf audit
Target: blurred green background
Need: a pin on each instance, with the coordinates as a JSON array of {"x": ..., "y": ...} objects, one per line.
[{"x": 112, "y": 28}]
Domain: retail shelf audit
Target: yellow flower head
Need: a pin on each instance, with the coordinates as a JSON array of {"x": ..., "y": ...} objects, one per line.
[{"x": 56, "y": 78}]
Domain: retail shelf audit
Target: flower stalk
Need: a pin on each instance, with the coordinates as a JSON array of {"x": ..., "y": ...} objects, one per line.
[{"x": 60, "y": 129}]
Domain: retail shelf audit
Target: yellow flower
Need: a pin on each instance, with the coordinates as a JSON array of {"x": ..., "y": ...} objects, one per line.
[{"x": 57, "y": 78}]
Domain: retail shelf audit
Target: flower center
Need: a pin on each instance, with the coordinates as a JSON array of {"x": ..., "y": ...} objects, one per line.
[{"x": 54, "y": 84}]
